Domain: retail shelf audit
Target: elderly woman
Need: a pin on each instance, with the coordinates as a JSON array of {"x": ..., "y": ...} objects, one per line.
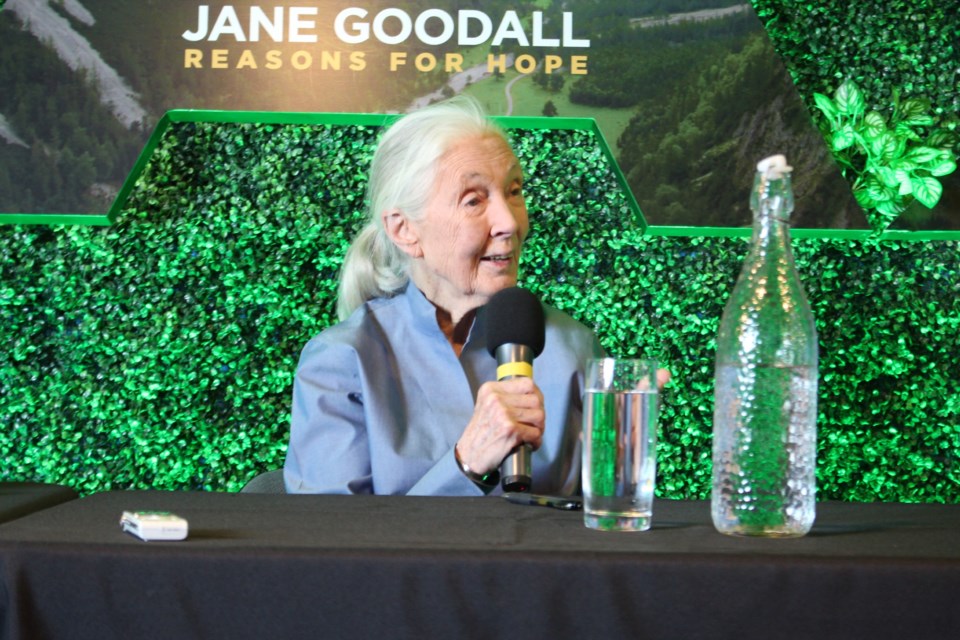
[{"x": 401, "y": 396}]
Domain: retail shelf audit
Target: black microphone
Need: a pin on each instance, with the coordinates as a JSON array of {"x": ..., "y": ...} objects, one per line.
[{"x": 515, "y": 336}]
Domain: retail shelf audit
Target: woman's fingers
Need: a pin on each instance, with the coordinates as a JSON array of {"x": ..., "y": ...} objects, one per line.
[{"x": 507, "y": 413}]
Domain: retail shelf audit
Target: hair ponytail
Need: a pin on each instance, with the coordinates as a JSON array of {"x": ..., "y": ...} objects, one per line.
[{"x": 372, "y": 268}]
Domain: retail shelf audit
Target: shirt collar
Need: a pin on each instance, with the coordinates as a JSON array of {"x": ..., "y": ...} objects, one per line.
[{"x": 425, "y": 317}]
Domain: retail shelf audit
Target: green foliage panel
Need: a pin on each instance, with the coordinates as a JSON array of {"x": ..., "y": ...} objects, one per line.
[
  {"x": 885, "y": 46},
  {"x": 159, "y": 352},
  {"x": 893, "y": 124}
]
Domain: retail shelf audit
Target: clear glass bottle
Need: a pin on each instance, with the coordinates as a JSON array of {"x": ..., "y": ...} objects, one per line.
[{"x": 764, "y": 422}]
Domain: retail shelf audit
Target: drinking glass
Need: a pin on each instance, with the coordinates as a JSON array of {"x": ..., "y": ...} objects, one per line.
[{"x": 619, "y": 443}]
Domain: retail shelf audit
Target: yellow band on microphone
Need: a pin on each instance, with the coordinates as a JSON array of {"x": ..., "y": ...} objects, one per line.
[{"x": 507, "y": 369}]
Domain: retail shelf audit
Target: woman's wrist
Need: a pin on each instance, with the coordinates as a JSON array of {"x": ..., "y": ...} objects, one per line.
[{"x": 486, "y": 480}]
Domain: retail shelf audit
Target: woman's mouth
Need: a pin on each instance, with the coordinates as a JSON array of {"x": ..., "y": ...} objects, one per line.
[{"x": 500, "y": 260}]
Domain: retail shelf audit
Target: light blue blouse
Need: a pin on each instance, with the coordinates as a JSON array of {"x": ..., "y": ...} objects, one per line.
[{"x": 380, "y": 400}]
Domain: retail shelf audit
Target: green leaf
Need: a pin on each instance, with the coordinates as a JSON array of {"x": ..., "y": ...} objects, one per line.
[
  {"x": 945, "y": 167},
  {"x": 919, "y": 121},
  {"x": 874, "y": 124},
  {"x": 884, "y": 147},
  {"x": 888, "y": 177},
  {"x": 843, "y": 138},
  {"x": 927, "y": 191},
  {"x": 849, "y": 99},
  {"x": 825, "y": 104},
  {"x": 903, "y": 164},
  {"x": 901, "y": 148},
  {"x": 903, "y": 176},
  {"x": 904, "y": 132},
  {"x": 922, "y": 155},
  {"x": 941, "y": 138},
  {"x": 864, "y": 199},
  {"x": 914, "y": 111},
  {"x": 878, "y": 191},
  {"x": 906, "y": 187},
  {"x": 890, "y": 208}
]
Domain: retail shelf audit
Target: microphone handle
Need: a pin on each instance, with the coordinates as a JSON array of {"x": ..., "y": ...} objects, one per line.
[{"x": 516, "y": 470}]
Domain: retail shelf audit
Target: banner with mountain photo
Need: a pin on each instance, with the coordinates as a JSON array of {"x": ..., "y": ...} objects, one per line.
[{"x": 688, "y": 94}]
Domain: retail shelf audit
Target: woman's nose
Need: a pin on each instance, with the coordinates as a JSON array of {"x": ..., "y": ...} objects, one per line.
[{"x": 504, "y": 218}]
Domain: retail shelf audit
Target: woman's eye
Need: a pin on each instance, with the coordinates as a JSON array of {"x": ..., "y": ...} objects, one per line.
[{"x": 472, "y": 201}]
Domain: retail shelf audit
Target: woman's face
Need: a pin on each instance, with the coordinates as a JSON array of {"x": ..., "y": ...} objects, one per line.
[{"x": 469, "y": 239}]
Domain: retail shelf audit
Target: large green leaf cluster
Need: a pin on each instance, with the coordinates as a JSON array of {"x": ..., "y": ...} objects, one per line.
[
  {"x": 159, "y": 352},
  {"x": 890, "y": 164}
]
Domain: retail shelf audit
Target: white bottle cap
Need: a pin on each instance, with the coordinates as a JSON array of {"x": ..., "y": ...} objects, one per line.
[{"x": 774, "y": 167}]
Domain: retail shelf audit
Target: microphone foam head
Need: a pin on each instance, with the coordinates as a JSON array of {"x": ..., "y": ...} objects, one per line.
[{"x": 515, "y": 316}]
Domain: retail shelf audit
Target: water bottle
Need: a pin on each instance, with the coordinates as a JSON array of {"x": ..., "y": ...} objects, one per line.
[{"x": 765, "y": 411}]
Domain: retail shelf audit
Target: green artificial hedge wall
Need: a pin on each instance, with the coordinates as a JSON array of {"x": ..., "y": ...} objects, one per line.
[{"x": 159, "y": 352}]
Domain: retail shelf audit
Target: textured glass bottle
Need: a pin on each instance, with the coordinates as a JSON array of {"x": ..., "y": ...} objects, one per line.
[{"x": 764, "y": 422}]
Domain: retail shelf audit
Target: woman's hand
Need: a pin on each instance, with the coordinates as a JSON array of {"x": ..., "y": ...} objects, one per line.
[
  {"x": 663, "y": 377},
  {"x": 507, "y": 413}
]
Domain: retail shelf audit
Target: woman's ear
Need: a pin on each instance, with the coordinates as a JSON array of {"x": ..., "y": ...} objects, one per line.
[{"x": 401, "y": 232}]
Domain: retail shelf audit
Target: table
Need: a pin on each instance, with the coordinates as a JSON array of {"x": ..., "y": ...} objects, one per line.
[
  {"x": 20, "y": 498},
  {"x": 282, "y": 566}
]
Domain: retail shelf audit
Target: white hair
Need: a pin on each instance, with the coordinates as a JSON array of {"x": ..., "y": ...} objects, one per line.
[{"x": 402, "y": 175}]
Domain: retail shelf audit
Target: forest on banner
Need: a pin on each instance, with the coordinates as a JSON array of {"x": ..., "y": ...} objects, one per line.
[{"x": 708, "y": 97}]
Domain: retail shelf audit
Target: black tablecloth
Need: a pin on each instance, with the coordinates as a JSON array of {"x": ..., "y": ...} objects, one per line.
[
  {"x": 20, "y": 498},
  {"x": 268, "y": 566}
]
